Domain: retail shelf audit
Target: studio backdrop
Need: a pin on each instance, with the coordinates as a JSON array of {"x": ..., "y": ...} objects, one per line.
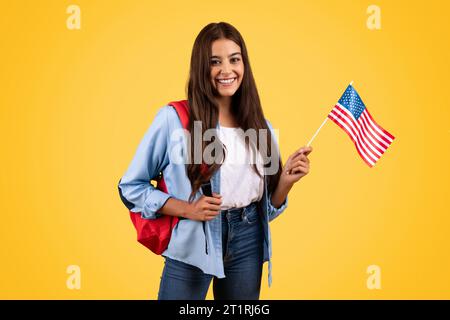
[{"x": 81, "y": 82}]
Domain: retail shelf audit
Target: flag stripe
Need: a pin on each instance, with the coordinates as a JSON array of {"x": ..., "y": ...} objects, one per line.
[
  {"x": 384, "y": 145},
  {"x": 368, "y": 130},
  {"x": 387, "y": 134},
  {"x": 335, "y": 120},
  {"x": 373, "y": 137},
  {"x": 379, "y": 134},
  {"x": 362, "y": 131},
  {"x": 350, "y": 134},
  {"x": 356, "y": 133}
]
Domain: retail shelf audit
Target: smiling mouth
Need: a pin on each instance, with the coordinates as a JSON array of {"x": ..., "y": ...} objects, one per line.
[{"x": 228, "y": 81}]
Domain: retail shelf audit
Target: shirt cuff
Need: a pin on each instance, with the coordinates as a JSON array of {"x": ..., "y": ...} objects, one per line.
[
  {"x": 154, "y": 202},
  {"x": 275, "y": 212}
]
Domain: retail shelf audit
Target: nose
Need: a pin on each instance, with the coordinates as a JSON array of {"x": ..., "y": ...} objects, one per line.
[{"x": 226, "y": 69}]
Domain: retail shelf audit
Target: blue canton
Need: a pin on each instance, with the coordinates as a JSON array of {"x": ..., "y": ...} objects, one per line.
[{"x": 352, "y": 102}]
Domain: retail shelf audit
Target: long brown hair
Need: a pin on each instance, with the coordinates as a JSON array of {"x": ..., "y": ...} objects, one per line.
[{"x": 245, "y": 103}]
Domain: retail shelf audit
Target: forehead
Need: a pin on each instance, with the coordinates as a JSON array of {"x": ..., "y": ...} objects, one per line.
[{"x": 224, "y": 47}]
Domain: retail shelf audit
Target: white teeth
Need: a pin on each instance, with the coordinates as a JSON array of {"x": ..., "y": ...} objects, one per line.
[{"x": 226, "y": 81}]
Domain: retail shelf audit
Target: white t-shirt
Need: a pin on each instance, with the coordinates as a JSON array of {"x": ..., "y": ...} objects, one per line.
[{"x": 240, "y": 185}]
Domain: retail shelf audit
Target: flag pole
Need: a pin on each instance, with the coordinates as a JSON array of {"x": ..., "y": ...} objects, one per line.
[
  {"x": 324, "y": 121},
  {"x": 315, "y": 134}
]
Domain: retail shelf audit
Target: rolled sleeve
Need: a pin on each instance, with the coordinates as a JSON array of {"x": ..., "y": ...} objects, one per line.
[{"x": 275, "y": 212}]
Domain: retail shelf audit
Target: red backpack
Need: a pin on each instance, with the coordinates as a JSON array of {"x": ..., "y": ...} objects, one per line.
[{"x": 155, "y": 233}]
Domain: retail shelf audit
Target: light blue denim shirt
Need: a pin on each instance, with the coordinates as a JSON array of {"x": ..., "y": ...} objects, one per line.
[{"x": 189, "y": 239}]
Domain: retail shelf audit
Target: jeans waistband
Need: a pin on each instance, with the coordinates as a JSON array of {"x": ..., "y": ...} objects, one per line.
[{"x": 240, "y": 210}]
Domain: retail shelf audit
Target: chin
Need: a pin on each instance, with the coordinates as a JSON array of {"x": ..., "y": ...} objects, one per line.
[{"x": 227, "y": 93}]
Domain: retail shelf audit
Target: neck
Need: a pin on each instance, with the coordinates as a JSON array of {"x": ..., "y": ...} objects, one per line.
[
  {"x": 224, "y": 104},
  {"x": 226, "y": 118}
]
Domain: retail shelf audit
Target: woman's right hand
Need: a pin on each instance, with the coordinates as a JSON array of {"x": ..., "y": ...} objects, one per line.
[{"x": 205, "y": 208}]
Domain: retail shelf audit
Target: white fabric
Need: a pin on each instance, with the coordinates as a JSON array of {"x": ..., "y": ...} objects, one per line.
[{"x": 240, "y": 185}]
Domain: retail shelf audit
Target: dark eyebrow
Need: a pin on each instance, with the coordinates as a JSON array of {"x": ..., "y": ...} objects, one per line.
[{"x": 233, "y": 54}]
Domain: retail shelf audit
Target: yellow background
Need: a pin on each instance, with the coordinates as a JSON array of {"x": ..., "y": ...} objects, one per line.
[{"x": 75, "y": 104}]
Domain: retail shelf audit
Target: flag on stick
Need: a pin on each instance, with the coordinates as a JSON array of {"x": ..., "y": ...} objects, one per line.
[{"x": 370, "y": 139}]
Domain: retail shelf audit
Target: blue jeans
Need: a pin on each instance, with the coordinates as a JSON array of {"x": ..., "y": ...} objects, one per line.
[{"x": 242, "y": 244}]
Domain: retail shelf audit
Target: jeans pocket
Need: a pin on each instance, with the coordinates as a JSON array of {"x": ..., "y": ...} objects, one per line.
[{"x": 250, "y": 216}]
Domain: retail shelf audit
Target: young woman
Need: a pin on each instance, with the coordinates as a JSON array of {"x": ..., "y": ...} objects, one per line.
[{"x": 224, "y": 237}]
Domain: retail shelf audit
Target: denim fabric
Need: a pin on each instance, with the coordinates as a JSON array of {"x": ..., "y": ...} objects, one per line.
[
  {"x": 243, "y": 257},
  {"x": 189, "y": 238}
]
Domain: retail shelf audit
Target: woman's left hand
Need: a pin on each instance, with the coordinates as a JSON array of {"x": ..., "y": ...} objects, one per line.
[{"x": 296, "y": 166}]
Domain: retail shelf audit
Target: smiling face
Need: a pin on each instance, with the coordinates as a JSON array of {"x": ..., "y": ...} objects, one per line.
[{"x": 227, "y": 68}]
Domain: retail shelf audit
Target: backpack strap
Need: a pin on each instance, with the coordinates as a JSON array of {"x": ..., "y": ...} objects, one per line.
[{"x": 182, "y": 109}]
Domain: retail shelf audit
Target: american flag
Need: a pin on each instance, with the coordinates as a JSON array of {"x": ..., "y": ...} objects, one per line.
[{"x": 370, "y": 139}]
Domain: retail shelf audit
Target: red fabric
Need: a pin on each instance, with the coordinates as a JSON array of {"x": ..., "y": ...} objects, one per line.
[{"x": 155, "y": 233}]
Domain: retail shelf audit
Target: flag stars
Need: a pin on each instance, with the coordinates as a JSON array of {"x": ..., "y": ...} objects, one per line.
[{"x": 351, "y": 101}]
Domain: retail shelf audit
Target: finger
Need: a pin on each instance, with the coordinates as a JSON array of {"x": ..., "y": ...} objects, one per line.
[
  {"x": 289, "y": 159},
  {"x": 290, "y": 163},
  {"x": 300, "y": 167},
  {"x": 299, "y": 156},
  {"x": 213, "y": 200},
  {"x": 300, "y": 170},
  {"x": 306, "y": 150},
  {"x": 297, "y": 152},
  {"x": 212, "y": 213},
  {"x": 214, "y": 207},
  {"x": 294, "y": 168},
  {"x": 216, "y": 195},
  {"x": 298, "y": 163},
  {"x": 304, "y": 158},
  {"x": 294, "y": 154}
]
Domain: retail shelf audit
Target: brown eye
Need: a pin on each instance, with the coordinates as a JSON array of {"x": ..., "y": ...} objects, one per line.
[
  {"x": 234, "y": 60},
  {"x": 213, "y": 62}
]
